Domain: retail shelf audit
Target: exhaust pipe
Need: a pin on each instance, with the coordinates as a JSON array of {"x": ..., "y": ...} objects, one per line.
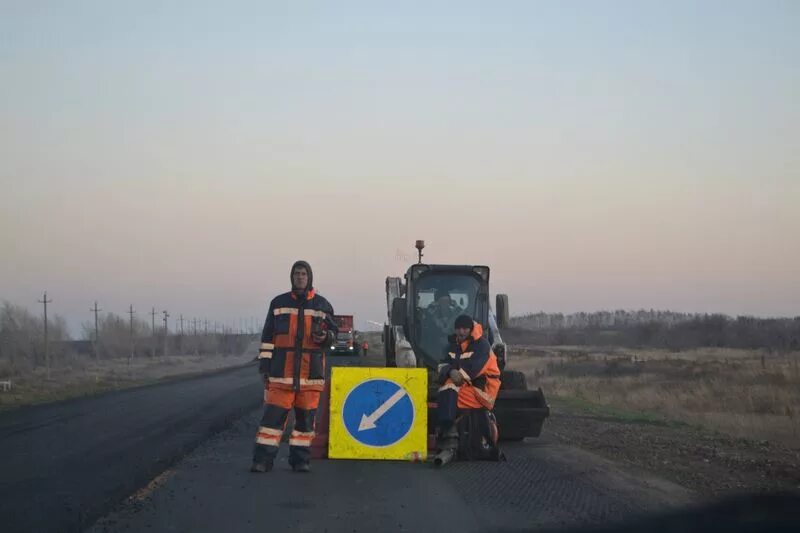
[{"x": 444, "y": 457}]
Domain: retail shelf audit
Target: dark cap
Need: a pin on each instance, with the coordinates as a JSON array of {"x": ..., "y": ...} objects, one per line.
[{"x": 464, "y": 322}]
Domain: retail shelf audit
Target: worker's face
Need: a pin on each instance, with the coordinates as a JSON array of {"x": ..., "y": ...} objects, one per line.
[
  {"x": 462, "y": 334},
  {"x": 443, "y": 302},
  {"x": 300, "y": 278}
]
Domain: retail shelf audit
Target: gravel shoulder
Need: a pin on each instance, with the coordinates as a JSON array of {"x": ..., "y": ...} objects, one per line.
[{"x": 707, "y": 463}]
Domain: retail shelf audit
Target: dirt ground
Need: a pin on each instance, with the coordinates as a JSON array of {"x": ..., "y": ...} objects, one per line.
[
  {"x": 702, "y": 453},
  {"x": 705, "y": 462}
]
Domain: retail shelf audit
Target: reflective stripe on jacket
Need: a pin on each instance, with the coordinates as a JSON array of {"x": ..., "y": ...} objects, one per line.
[
  {"x": 477, "y": 364},
  {"x": 291, "y": 358}
]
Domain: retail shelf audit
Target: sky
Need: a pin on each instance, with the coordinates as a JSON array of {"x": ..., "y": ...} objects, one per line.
[{"x": 596, "y": 155}]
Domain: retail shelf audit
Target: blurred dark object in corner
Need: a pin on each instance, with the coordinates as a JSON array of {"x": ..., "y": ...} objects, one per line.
[{"x": 749, "y": 513}]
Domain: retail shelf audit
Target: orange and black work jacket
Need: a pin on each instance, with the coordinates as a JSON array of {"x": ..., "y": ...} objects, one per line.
[
  {"x": 475, "y": 361},
  {"x": 288, "y": 357}
]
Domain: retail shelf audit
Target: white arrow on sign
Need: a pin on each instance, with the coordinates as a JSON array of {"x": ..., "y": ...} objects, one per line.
[{"x": 368, "y": 422}]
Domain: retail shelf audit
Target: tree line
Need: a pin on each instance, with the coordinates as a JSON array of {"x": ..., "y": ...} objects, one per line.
[
  {"x": 660, "y": 329},
  {"x": 22, "y": 339}
]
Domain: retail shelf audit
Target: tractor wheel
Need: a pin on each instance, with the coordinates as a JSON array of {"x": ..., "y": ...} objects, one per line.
[{"x": 502, "y": 311}]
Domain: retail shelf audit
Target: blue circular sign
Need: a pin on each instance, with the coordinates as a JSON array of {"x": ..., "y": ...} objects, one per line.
[{"x": 378, "y": 412}]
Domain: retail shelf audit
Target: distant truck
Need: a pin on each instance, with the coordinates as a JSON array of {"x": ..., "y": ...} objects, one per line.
[{"x": 345, "y": 343}]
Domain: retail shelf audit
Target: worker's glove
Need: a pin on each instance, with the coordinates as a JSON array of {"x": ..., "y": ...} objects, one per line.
[
  {"x": 456, "y": 376},
  {"x": 323, "y": 337}
]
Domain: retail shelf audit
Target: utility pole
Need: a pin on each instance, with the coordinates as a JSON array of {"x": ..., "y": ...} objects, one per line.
[
  {"x": 206, "y": 321},
  {"x": 45, "y": 301},
  {"x": 131, "y": 312},
  {"x": 96, "y": 330},
  {"x": 153, "y": 316},
  {"x": 166, "y": 332},
  {"x": 194, "y": 325},
  {"x": 180, "y": 339}
]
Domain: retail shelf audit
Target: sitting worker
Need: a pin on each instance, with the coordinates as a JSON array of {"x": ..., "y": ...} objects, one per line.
[
  {"x": 441, "y": 314},
  {"x": 469, "y": 382}
]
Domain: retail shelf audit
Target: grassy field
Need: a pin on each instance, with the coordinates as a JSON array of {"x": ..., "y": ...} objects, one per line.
[
  {"x": 81, "y": 376},
  {"x": 84, "y": 377},
  {"x": 742, "y": 393}
]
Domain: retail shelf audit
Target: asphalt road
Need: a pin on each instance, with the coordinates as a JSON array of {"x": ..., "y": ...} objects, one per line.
[
  {"x": 64, "y": 465},
  {"x": 542, "y": 485}
]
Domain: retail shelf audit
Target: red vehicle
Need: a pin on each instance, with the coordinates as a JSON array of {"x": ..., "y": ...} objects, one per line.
[{"x": 345, "y": 343}]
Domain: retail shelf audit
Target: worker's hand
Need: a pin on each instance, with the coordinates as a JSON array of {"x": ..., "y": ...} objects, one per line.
[
  {"x": 320, "y": 337},
  {"x": 456, "y": 376}
]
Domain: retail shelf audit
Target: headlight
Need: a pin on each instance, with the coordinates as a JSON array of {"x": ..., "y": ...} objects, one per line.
[{"x": 351, "y": 347}]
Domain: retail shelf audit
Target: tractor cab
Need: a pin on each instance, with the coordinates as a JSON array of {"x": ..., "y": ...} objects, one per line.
[{"x": 435, "y": 295}]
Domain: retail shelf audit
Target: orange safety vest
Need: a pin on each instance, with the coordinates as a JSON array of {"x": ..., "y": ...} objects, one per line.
[
  {"x": 477, "y": 364},
  {"x": 294, "y": 361}
]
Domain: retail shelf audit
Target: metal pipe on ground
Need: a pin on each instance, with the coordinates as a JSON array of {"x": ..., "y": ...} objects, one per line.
[{"x": 443, "y": 457}]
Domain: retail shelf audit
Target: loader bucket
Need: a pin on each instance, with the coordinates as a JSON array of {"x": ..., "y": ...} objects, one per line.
[{"x": 520, "y": 413}]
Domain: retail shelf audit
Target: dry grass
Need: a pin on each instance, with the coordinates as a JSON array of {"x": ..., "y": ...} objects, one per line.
[
  {"x": 743, "y": 393},
  {"x": 83, "y": 377}
]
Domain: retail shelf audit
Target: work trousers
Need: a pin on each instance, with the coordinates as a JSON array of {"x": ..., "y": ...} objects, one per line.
[{"x": 273, "y": 424}]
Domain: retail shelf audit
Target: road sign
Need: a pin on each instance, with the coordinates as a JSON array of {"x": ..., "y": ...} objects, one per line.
[{"x": 378, "y": 413}]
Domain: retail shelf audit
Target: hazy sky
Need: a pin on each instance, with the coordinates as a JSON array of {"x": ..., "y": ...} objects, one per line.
[{"x": 595, "y": 154}]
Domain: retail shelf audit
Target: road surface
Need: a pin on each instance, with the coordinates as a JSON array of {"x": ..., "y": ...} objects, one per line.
[
  {"x": 67, "y": 467},
  {"x": 65, "y": 464}
]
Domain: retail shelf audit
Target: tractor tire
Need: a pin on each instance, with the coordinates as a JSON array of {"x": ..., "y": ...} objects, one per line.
[
  {"x": 502, "y": 311},
  {"x": 513, "y": 380}
]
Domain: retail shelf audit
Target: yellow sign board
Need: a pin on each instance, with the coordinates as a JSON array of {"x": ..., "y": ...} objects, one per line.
[{"x": 378, "y": 413}]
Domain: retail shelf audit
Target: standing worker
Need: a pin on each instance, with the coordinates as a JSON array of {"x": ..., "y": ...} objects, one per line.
[
  {"x": 469, "y": 380},
  {"x": 298, "y": 329},
  {"x": 364, "y": 348}
]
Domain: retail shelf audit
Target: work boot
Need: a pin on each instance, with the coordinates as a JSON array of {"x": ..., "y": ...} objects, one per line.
[
  {"x": 261, "y": 466},
  {"x": 303, "y": 468}
]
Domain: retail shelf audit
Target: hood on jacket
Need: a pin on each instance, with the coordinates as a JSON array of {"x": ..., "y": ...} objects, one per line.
[{"x": 305, "y": 265}]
